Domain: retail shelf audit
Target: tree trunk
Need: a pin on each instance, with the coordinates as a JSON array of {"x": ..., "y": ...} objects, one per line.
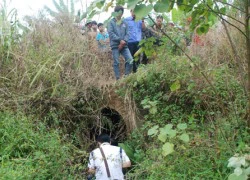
[{"x": 247, "y": 8}]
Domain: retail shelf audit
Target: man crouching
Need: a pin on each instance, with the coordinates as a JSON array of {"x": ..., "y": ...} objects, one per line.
[{"x": 107, "y": 161}]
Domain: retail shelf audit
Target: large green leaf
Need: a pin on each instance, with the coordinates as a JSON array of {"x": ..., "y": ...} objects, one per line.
[
  {"x": 120, "y": 2},
  {"x": 153, "y": 110},
  {"x": 182, "y": 126},
  {"x": 153, "y": 130},
  {"x": 172, "y": 133},
  {"x": 171, "y": 5},
  {"x": 193, "y": 2},
  {"x": 203, "y": 29},
  {"x": 129, "y": 151},
  {"x": 177, "y": 15},
  {"x": 184, "y": 137},
  {"x": 132, "y": 3},
  {"x": 162, "y": 137},
  {"x": 100, "y": 4},
  {"x": 247, "y": 171},
  {"x": 235, "y": 177},
  {"x": 168, "y": 127},
  {"x": 92, "y": 14},
  {"x": 175, "y": 86},
  {"x": 179, "y": 2},
  {"x": 142, "y": 10},
  {"x": 182, "y": 4},
  {"x": 152, "y": 1},
  {"x": 161, "y": 6},
  {"x": 223, "y": 10},
  {"x": 167, "y": 149},
  {"x": 84, "y": 15}
]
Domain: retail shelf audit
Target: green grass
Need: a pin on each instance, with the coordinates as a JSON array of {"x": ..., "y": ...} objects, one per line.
[{"x": 29, "y": 150}]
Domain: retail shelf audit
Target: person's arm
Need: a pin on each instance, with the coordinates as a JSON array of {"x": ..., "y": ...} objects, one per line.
[
  {"x": 126, "y": 37},
  {"x": 91, "y": 171},
  {"x": 107, "y": 38},
  {"x": 111, "y": 32},
  {"x": 100, "y": 40},
  {"x": 97, "y": 37},
  {"x": 124, "y": 41},
  {"x": 125, "y": 160},
  {"x": 126, "y": 164},
  {"x": 91, "y": 164}
]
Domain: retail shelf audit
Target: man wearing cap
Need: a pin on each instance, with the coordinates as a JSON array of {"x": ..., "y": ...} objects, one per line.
[{"x": 107, "y": 161}]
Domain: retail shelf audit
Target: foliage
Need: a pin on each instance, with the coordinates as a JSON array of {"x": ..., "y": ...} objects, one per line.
[
  {"x": 65, "y": 11},
  {"x": 31, "y": 151},
  {"x": 172, "y": 96},
  {"x": 170, "y": 134},
  {"x": 54, "y": 76},
  {"x": 241, "y": 163},
  {"x": 205, "y": 9},
  {"x": 9, "y": 27},
  {"x": 189, "y": 129}
]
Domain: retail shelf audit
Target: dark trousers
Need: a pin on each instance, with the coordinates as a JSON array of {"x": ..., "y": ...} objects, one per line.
[{"x": 133, "y": 47}]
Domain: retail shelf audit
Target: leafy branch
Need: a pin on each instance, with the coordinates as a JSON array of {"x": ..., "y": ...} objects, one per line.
[
  {"x": 235, "y": 7},
  {"x": 220, "y": 15},
  {"x": 203, "y": 74}
]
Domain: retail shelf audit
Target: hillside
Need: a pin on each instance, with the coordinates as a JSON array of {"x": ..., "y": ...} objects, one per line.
[{"x": 176, "y": 118}]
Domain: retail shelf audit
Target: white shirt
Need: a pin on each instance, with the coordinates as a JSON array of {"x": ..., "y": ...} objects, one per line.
[{"x": 115, "y": 158}]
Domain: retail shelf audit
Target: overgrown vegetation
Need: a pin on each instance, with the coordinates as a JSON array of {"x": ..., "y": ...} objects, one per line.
[
  {"x": 54, "y": 77},
  {"x": 170, "y": 92},
  {"x": 30, "y": 151},
  {"x": 53, "y": 87}
]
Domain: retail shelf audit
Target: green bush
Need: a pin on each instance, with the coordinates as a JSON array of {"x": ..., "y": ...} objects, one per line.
[
  {"x": 29, "y": 150},
  {"x": 173, "y": 91}
]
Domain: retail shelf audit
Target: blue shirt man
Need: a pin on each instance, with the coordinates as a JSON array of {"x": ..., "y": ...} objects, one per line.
[
  {"x": 135, "y": 36},
  {"x": 134, "y": 28}
]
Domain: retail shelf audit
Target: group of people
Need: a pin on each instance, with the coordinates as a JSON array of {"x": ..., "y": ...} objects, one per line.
[{"x": 123, "y": 37}]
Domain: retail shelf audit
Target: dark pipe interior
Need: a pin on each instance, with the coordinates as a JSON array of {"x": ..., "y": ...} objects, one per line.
[{"x": 117, "y": 130}]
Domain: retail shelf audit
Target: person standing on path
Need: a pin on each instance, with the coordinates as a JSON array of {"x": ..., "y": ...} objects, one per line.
[
  {"x": 159, "y": 26},
  {"x": 102, "y": 38},
  {"x": 119, "y": 35},
  {"x": 135, "y": 35},
  {"x": 107, "y": 161}
]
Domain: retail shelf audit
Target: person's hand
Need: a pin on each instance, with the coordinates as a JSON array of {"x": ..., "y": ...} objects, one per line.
[
  {"x": 123, "y": 42},
  {"x": 120, "y": 47},
  {"x": 107, "y": 41}
]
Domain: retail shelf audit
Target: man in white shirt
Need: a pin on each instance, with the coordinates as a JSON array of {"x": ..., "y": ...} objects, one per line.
[{"x": 116, "y": 159}]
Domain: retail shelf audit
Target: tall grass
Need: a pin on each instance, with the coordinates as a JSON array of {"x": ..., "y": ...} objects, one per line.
[
  {"x": 8, "y": 30},
  {"x": 30, "y": 151},
  {"x": 58, "y": 79},
  {"x": 56, "y": 76}
]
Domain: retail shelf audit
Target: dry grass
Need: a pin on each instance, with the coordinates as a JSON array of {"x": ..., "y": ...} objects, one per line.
[
  {"x": 57, "y": 75},
  {"x": 218, "y": 51},
  {"x": 217, "y": 48},
  {"x": 55, "y": 65}
]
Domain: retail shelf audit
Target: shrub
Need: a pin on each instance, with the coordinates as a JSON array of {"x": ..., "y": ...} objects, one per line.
[{"x": 31, "y": 151}]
